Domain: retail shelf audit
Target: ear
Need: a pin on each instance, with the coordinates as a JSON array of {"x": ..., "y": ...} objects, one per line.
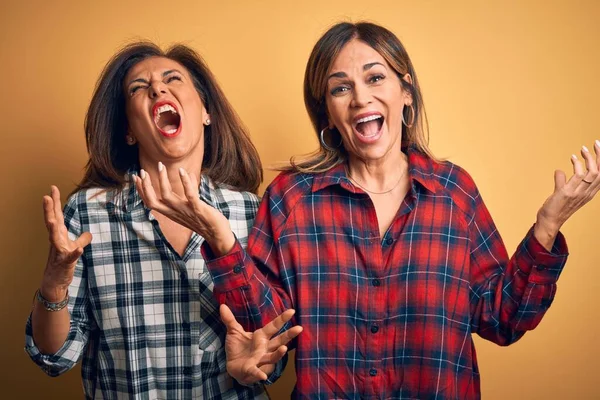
[{"x": 407, "y": 96}]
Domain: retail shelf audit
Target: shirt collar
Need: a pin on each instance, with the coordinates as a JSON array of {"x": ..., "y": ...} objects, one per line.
[{"x": 420, "y": 171}]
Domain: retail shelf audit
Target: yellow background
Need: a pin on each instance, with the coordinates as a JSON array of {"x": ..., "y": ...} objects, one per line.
[{"x": 512, "y": 89}]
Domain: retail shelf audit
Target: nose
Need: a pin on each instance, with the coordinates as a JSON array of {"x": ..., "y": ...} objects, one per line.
[
  {"x": 361, "y": 96},
  {"x": 157, "y": 89}
]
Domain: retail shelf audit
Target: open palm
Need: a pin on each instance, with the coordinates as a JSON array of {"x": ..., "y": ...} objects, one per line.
[{"x": 251, "y": 356}]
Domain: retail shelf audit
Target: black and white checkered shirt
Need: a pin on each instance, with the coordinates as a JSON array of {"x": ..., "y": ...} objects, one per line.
[{"x": 143, "y": 318}]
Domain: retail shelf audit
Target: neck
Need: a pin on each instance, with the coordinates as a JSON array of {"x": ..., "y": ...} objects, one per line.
[
  {"x": 378, "y": 176},
  {"x": 172, "y": 167}
]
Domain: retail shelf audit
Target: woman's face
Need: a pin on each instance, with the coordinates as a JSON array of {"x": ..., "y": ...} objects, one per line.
[
  {"x": 164, "y": 111},
  {"x": 364, "y": 101}
]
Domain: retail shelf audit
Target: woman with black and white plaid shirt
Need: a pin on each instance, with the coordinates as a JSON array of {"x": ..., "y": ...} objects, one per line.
[{"x": 125, "y": 289}]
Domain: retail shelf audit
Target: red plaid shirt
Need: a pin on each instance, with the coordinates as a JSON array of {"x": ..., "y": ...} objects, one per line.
[{"x": 393, "y": 316}]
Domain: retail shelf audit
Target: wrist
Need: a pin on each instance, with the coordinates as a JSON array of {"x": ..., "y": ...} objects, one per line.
[
  {"x": 222, "y": 246},
  {"x": 53, "y": 293},
  {"x": 51, "y": 305},
  {"x": 545, "y": 232}
]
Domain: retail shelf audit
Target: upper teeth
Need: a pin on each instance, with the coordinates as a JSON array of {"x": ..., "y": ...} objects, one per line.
[
  {"x": 162, "y": 109},
  {"x": 369, "y": 118}
]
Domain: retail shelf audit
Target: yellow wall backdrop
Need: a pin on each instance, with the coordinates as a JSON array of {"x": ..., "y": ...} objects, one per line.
[{"x": 511, "y": 88}]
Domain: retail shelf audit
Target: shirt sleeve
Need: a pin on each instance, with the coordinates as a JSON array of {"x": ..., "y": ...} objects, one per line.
[
  {"x": 71, "y": 351},
  {"x": 253, "y": 283},
  {"x": 510, "y": 296}
]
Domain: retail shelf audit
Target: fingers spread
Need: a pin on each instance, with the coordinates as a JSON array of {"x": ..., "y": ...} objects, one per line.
[
  {"x": 166, "y": 191},
  {"x": 274, "y": 326},
  {"x": 229, "y": 319},
  {"x": 49, "y": 218},
  {"x": 73, "y": 256},
  {"x": 140, "y": 186},
  {"x": 84, "y": 239},
  {"x": 590, "y": 164},
  {"x": 560, "y": 180},
  {"x": 272, "y": 357},
  {"x": 254, "y": 374},
  {"x": 149, "y": 194},
  {"x": 191, "y": 190},
  {"x": 284, "y": 338},
  {"x": 578, "y": 174},
  {"x": 57, "y": 206},
  {"x": 54, "y": 229}
]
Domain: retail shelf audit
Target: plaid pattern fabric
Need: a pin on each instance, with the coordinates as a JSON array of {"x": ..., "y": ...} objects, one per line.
[
  {"x": 144, "y": 319},
  {"x": 387, "y": 317}
]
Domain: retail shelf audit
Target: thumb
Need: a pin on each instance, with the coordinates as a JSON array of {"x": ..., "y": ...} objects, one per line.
[
  {"x": 74, "y": 256},
  {"x": 229, "y": 319},
  {"x": 84, "y": 239},
  {"x": 560, "y": 179}
]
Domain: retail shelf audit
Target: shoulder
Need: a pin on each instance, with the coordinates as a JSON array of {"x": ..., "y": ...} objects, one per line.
[
  {"x": 456, "y": 183},
  {"x": 228, "y": 200},
  {"x": 89, "y": 199},
  {"x": 289, "y": 187}
]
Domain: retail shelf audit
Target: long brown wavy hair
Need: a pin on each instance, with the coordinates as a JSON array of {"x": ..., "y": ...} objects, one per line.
[{"x": 230, "y": 158}]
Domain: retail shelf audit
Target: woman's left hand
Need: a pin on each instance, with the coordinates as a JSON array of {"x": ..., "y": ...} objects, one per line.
[
  {"x": 188, "y": 211},
  {"x": 569, "y": 195},
  {"x": 251, "y": 356}
]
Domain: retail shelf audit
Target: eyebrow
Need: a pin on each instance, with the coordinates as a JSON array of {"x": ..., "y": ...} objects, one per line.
[
  {"x": 164, "y": 74},
  {"x": 366, "y": 67}
]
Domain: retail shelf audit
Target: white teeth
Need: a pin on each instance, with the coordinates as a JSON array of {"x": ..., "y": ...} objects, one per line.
[
  {"x": 369, "y": 118},
  {"x": 162, "y": 109},
  {"x": 171, "y": 131}
]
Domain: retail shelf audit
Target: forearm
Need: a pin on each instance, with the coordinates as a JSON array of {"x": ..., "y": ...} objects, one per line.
[
  {"x": 238, "y": 283},
  {"x": 50, "y": 328},
  {"x": 518, "y": 294}
]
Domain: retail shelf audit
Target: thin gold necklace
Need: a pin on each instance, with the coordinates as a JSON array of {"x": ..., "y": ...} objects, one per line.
[{"x": 370, "y": 191}]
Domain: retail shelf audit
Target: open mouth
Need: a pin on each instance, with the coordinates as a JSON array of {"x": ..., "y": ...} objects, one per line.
[
  {"x": 369, "y": 126},
  {"x": 166, "y": 119}
]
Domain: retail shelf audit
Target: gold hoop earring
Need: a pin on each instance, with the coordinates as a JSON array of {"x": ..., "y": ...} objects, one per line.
[
  {"x": 325, "y": 145},
  {"x": 412, "y": 119}
]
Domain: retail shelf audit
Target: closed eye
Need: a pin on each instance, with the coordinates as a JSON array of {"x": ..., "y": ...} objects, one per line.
[
  {"x": 134, "y": 89},
  {"x": 171, "y": 78}
]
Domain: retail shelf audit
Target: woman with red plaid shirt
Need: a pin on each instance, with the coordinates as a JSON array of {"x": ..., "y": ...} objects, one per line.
[{"x": 388, "y": 256}]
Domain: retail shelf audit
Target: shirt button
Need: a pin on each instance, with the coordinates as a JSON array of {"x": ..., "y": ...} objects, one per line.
[
  {"x": 187, "y": 371},
  {"x": 373, "y": 372},
  {"x": 374, "y": 328},
  {"x": 376, "y": 282},
  {"x": 389, "y": 241},
  {"x": 237, "y": 269}
]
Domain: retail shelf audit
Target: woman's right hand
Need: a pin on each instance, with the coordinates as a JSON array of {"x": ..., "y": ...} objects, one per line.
[
  {"x": 64, "y": 252},
  {"x": 187, "y": 210}
]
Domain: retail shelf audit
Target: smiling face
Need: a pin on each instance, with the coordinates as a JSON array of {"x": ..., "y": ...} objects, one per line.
[
  {"x": 165, "y": 113},
  {"x": 364, "y": 101}
]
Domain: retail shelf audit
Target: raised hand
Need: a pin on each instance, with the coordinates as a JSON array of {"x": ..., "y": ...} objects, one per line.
[
  {"x": 251, "y": 356},
  {"x": 569, "y": 195},
  {"x": 187, "y": 210},
  {"x": 64, "y": 252}
]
